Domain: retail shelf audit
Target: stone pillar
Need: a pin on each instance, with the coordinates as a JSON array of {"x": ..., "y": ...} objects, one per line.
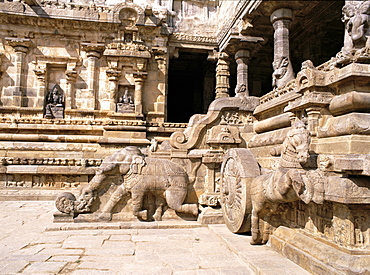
[
  {"x": 139, "y": 83},
  {"x": 160, "y": 57},
  {"x": 110, "y": 103},
  {"x": 242, "y": 58},
  {"x": 93, "y": 52},
  {"x": 20, "y": 46},
  {"x": 40, "y": 73},
  {"x": 222, "y": 76},
  {"x": 70, "y": 96},
  {"x": 281, "y": 20}
]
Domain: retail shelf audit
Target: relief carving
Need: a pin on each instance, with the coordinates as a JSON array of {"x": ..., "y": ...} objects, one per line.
[
  {"x": 263, "y": 194},
  {"x": 165, "y": 182}
]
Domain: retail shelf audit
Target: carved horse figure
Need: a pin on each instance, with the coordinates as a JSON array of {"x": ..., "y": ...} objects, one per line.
[{"x": 287, "y": 184}]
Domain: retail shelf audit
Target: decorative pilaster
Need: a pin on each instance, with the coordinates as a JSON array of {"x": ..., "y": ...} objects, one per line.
[
  {"x": 20, "y": 46},
  {"x": 242, "y": 58},
  {"x": 70, "y": 93},
  {"x": 93, "y": 52},
  {"x": 313, "y": 115},
  {"x": 281, "y": 20},
  {"x": 110, "y": 101},
  {"x": 40, "y": 73},
  {"x": 160, "y": 57},
  {"x": 222, "y": 75},
  {"x": 139, "y": 83}
]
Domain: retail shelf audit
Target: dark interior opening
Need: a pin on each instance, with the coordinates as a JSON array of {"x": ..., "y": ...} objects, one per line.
[{"x": 191, "y": 85}]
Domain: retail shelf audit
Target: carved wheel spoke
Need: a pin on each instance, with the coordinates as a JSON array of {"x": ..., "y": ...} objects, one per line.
[{"x": 238, "y": 169}]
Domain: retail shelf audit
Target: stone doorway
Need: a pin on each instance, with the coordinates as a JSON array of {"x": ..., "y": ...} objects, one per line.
[{"x": 191, "y": 85}]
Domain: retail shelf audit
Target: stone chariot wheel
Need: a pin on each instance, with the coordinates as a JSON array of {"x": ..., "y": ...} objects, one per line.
[{"x": 238, "y": 169}]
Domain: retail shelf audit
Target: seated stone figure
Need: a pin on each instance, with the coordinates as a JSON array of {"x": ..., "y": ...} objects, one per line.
[
  {"x": 54, "y": 107},
  {"x": 125, "y": 103}
]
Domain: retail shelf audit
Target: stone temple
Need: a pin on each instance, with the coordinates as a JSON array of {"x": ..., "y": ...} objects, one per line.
[{"x": 251, "y": 113}]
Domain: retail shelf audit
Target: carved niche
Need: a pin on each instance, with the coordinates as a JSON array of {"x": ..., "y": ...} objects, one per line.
[{"x": 125, "y": 102}]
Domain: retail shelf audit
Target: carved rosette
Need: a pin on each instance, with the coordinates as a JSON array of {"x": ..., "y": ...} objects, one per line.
[{"x": 238, "y": 169}]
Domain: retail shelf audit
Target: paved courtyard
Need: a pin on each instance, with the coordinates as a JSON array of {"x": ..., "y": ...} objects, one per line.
[{"x": 31, "y": 243}]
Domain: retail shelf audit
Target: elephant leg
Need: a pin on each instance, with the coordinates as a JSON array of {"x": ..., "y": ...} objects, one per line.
[
  {"x": 113, "y": 200},
  {"x": 175, "y": 197},
  {"x": 159, "y": 203},
  {"x": 137, "y": 204},
  {"x": 190, "y": 208},
  {"x": 150, "y": 203}
]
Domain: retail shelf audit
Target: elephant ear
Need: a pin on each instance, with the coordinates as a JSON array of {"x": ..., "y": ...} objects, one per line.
[{"x": 137, "y": 163}]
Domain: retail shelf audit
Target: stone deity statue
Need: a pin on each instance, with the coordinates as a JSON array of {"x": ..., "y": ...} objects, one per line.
[{"x": 54, "y": 107}]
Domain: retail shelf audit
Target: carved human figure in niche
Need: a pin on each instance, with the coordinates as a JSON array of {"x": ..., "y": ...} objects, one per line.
[
  {"x": 125, "y": 102},
  {"x": 359, "y": 229},
  {"x": 128, "y": 37},
  {"x": 54, "y": 107}
]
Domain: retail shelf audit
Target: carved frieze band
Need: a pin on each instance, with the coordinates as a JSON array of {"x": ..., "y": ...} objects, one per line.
[
  {"x": 50, "y": 161},
  {"x": 193, "y": 38}
]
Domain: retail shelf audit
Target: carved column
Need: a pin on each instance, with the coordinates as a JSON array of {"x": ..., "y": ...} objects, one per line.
[
  {"x": 139, "y": 83},
  {"x": 110, "y": 102},
  {"x": 242, "y": 58},
  {"x": 70, "y": 96},
  {"x": 222, "y": 76},
  {"x": 93, "y": 52},
  {"x": 20, "y": 46},
  {"x": 160, "y": 57},
  {"x": 281, "y": 20},
  {"x": 40, "y": 73}
]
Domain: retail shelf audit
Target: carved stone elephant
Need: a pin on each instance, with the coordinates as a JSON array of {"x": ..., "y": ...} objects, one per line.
[{"x": 165, "y": 181}]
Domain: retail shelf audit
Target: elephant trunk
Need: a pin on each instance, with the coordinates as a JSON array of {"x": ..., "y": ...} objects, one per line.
[
  {"x": 358, "y": 29},
  {"x": 193, "y": 174}
]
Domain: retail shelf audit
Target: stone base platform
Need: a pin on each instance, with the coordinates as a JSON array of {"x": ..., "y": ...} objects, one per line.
[{"x": 318, "y": 257}]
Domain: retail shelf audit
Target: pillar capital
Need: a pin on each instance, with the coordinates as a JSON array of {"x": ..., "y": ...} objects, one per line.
[
  {"x": 93, "y": 49},
  {"x": 242, "y": 53},
  {"x": 113, "y": 75},
  {"x": 71, "y": 75},
  {"x": 19, "y": 44},
  {"x": 281, "y": 14}
]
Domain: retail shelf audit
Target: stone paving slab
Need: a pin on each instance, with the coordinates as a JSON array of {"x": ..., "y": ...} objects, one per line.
[{"x": 34, "y": 245}]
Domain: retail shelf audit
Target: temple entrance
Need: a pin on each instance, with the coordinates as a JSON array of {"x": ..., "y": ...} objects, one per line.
[{"x": 191, "y": 85}]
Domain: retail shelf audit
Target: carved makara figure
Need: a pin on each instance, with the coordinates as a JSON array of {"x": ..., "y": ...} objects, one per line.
[
  {"x": 356, "y": 18},
  {"x": 287, "y": 184},
  {"x": 283, "y": 72},
  {"x": 165, "y": 181}
]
